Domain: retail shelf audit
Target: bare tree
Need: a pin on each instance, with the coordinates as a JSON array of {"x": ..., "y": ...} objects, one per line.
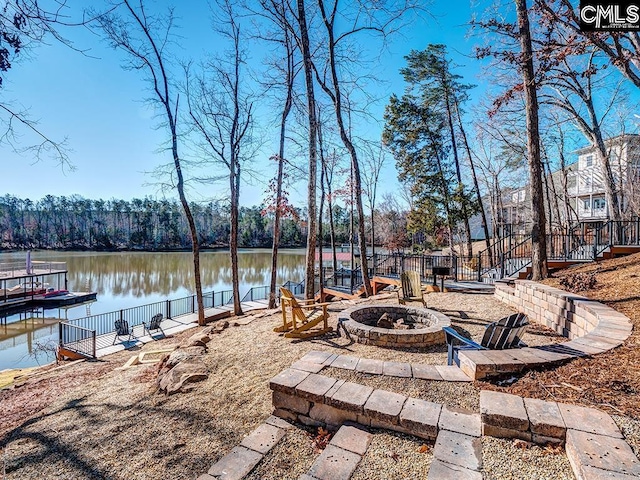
[
  {"x": 373, "y": 162},
  {"x": 572, "y": 91},
  {"x": 517, "y": 52},
  {"x": 303, "y": 39},
  {"x": 23, "y": 24},
  {"x": 222, "y": 114},
  {"x": 620, "y": 47},
  {"x": 146, "y": 40},
  {"x": 278, "y": 13}
]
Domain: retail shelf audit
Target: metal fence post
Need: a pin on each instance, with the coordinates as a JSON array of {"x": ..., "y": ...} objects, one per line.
[
  {"x": 193, "y": 304},
  {"x": 168, "y": 309},
  {"x": 94, "y": 344},
  {"x": 479, "y": 267}
]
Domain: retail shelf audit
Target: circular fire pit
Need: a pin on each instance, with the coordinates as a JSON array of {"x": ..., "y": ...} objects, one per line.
[{"x": 395, "y": 325}]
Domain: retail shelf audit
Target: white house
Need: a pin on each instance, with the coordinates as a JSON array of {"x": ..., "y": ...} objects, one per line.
[{"x": 586, "y": 186}]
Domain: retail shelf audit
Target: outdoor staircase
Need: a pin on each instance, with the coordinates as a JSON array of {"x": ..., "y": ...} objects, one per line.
[{"x": 584, "y": 243}]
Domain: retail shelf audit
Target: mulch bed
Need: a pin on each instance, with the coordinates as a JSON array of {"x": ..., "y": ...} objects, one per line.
[{"x": 609, "y": 381}]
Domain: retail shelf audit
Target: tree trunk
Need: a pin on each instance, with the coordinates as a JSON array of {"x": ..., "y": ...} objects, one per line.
[
  {"x": 234, "y": 180},
  {"x": 336, "y": 97},
  {"x": 538, "y": 221},
  {"x": 476, "y": 185},
  {"x": 278, "y": 213},
  {"x": 613, "y": 204},
  {"x": 311, "y": 191},
  {"x": 454, "y": 147},
  {"x": 332, "y": 229}
]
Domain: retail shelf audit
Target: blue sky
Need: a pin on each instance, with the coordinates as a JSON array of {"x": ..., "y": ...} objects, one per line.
[{"x": 111, "y": 132}]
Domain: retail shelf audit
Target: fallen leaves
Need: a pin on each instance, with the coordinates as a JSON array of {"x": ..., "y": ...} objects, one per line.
[
  {"x": 424, "y": 448},
  {"x": 607, "y": 380},
  {"x": 321, "y": 440}
]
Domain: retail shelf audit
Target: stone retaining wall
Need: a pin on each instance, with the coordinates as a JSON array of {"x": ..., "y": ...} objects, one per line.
[
  {"x": 315, "y": 400},
  {"x": 590, "y": 326},
  {"x": 595, "y": 446},
  {"x": 570, "y": 315}
]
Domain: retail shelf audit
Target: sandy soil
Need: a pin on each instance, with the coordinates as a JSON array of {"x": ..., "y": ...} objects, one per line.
[{"x": 91, "y": 421}]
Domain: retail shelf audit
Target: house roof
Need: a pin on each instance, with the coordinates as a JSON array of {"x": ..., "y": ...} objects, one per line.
[{"x": 610, "y": 141}]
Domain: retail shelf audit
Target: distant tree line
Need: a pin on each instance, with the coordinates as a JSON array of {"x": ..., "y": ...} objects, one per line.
[{"x": 77, "y": 223}]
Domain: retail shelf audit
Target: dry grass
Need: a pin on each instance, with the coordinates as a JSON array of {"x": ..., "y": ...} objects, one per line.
[
  {"x": 93, "y": 422},
  {"x": 84, "y": 421}
]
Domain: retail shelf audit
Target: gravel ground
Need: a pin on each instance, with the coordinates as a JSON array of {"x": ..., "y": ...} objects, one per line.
[
  {"x": 290, "y": 458},
  {"x": 503, "y": 460},
  {"x": 394, "y": 456},
  {"x": 115, "y": 426},
  {"x": 630, "y": 428}
]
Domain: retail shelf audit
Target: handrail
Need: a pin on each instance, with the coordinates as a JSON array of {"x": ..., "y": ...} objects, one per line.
[
  {"x": 78, "y": 339},
  {"x": 511, "y": 264}
]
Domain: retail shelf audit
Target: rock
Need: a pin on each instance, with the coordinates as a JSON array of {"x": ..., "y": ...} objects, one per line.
[
  {"x": 385, "y": 321},
  {"x": 182, "y": 377},
  {"x": 219, "y": 327},
  {"x": 197, "y": 340},
  {"x": 185, "y": 354}
]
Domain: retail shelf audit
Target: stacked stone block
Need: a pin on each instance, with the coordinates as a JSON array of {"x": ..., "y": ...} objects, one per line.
[
  {"x": 239, "y": 462},
  {"x": 317, "y": 400},
  {"x": 360, "y": 321},
  {"x": 590, "y": 326},
  {"x": 342, "y": 455},
  {"x": 594, "y": 445}
]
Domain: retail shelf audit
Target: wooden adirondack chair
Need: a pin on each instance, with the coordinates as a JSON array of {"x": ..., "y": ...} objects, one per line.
[
  {"x": 122, "y": 329},
  {"x": 154, "y": 324},
  {"x": 302, "y": 318},
  {"x": 503, "y": 334},
  {"x": 412, "y": 290}
]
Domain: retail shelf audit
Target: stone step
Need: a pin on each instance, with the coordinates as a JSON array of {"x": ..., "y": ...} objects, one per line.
[
  {"x": 342, "y": 455},
  {"x": 314, "y": 361},
  {"x": 241, "y": 460}
]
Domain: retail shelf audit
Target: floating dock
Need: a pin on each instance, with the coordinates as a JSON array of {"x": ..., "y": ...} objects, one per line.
[{"x": 23, "y": 286}]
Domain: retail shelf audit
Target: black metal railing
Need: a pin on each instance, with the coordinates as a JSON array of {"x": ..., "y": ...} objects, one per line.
[
  {"x": 428, "y": 266},
  {"x": 293, "y": 287},
  {"x": 104, "y": 323},
  {"x": 77, "y": 339},
  {"x": 256, "y": 293}
]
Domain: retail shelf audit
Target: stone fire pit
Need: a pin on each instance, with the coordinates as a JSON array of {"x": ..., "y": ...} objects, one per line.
[{"x": 410, "y": 327}]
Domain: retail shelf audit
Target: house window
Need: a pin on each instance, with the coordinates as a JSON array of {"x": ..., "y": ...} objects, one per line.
[
  {"x": 589, "y": 160},
  {"x": 586, "y": 204},
  {"x": 599, "y": 203}
]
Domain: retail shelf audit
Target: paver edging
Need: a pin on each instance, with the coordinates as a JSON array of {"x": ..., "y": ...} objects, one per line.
[
  {"x": 590, "y": 326},
  {"x": 451, "y": 373},
  {"x": 534, "y": 420}
]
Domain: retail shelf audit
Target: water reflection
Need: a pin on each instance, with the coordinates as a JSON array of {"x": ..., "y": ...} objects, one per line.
[
  {"x": 140, "y": 274},
  {"x": 129, "y": 279}
]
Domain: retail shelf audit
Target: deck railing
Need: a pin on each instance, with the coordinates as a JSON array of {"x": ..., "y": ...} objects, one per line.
[
  {"x": 256, "y": 293},
  {"x": 104, "y": 323},
  {"x": 78, "y": 339}
]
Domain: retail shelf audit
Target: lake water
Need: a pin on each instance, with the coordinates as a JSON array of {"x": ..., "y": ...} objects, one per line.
[{"x": 127, "y": 279}]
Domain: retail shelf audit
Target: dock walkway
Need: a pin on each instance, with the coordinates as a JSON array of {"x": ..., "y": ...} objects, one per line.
[{"x": 171, "y": 326}]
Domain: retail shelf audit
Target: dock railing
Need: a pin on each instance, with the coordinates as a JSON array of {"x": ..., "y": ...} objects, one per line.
[
  {"x": 72, "y": 336},
  {"x": 18, "y": 268}
]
